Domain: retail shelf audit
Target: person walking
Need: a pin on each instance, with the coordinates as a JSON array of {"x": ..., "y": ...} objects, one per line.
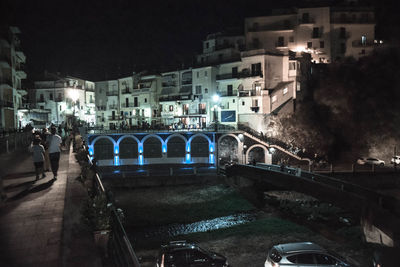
[
  {"x": 38, "y": 156},
  {"x": 45, "y": 134},
  {"x": 54, "y": 143}
]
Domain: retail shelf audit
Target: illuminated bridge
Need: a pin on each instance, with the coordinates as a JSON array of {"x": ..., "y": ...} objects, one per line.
[{"x": 179, "y": 147}]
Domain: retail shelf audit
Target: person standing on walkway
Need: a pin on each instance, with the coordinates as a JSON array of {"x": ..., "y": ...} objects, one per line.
[
  {"x": 45, "y": 136},
  {"x": 38, "y": 156},
  {"x": 54, "y": 144}
]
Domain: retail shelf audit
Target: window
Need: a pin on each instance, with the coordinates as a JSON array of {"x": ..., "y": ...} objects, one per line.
[
  {"x": 60, "y": 108},
  {"x": 256, "y": 43},
  {"x": 205, "y": 74},
  {"x": 273, "y": 98},
  {"x": 342, "y": 48},
  {"x": 309, "y": 44},
  {"x": 220, "y": 57},
  {"x": 145, "y": 100},
  {"x": 207, "y": 45},
  {"x": 322, "y": 44},
  {"x": 198, "y": 89},
  {"x": 291, "y": 39},
  {"x": 243, "y": 103},
  {"x": 281, "y": 41},
  {"x": 285, "y": 90},
  {"x": 325, "y": 259},
  {"x": 233, "y": 100},
  {"x": 256, "y": 69},
  {"x": 229, "y": 89},
  {"x": 41, "y": 98},
  {"x": 51, "y": 96},
  {"x": 315, "y": 32},
  {"x": 255, "y": 26},
  {"x": 255, "y": 103},
  {"x": 305, "y": 258},
  {"x": 306, "y": 17},
  {"x": 171, "y": 108},
  {"x": 205, "y": 90},
  {"x": 234, "y": 72},
  {"x": 197, "y": 74},
  {"x": 292, "y": 65},
  {"x": 41, "y": 107},
  {"x": 342, "y": 33},
  {"x": 135, "y": 102}
]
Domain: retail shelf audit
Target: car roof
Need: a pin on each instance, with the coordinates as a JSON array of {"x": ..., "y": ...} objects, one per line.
[
  {"x": 176, "y": 245},
  {"x": 299, "y": 247}
]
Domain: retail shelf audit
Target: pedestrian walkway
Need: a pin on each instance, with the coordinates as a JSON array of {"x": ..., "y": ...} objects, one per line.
[{"x": 40, "y": 221}]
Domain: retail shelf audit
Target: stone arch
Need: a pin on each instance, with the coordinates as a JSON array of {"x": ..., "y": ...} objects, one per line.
[
  {"x": 152, "y": 146},
  {"x": 128, "y": 147},
  {"x": 176, "y": 146},
  {"x": 231, "y": 153},
  {"x": 265, "y": 149},
  {"x": 199, "y": 148},
  {"x": 103, "y": 148}
]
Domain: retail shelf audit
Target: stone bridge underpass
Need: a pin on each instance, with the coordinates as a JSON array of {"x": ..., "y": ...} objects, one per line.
[
  {"x": 181, "y": 147},
  {"x": 379, "y": 213}
]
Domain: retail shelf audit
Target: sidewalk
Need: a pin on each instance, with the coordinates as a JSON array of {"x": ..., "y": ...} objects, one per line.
[{"x": 40, "y": 221}]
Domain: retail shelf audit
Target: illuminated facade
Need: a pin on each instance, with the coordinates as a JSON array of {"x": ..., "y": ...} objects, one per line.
[
  {"x": 12, "y": 61},
  {"x": 327, "y": 33}
]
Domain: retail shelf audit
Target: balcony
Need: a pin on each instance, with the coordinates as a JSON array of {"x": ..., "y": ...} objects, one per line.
[
  {"x": 114, "y": 118},
  {"x": 274, "y": 27},
  {"x": 255, "y": 108},
  {"x": 281, "y": 44},
  {"x": 126, "y": 91},
  {"x": 243, "y": 74},
  {"x": 353, "y": 21},
  {"x": 128, "y": 105},
  {"x": 112, "y": 93},
  {"x": 101, "y": 107},
  {"x": 307, "y": 21},
  {"x": 113, "y": 107},
  {"x": 186, "y": 82},
  {"x": 168, "y": 84},
  {"x": 40, "y": 100},
  {"x": 359, "y": 43}
]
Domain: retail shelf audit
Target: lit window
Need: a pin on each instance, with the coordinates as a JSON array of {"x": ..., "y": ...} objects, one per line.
[
  {"x": 363, "y": 40},
  {"x": 273, "y": 98},
  {"x": 171, "y": 108},
  {"x": 285, "y": 90}
]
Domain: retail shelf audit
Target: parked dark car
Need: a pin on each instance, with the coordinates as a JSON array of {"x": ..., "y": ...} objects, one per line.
[{"x": 184, "y": 254}]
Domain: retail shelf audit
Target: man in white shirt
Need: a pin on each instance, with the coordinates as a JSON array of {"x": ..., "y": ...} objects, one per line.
[{"x": 54, "y": 143}]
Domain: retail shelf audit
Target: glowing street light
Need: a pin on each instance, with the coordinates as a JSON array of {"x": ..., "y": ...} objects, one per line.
[{"x": 74, "y": 95}]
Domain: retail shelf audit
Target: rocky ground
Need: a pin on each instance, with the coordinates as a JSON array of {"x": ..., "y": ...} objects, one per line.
[{"x": 244, "y": 245}]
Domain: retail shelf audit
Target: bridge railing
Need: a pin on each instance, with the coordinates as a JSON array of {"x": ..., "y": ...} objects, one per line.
[
  {"x": 120, "y": 246},
  {"x": 382, "y": 200}
]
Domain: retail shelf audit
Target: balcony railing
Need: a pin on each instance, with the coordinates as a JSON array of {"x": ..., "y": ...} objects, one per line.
[
  {"x": 112, "y": 93},
  {"x": 126, "y": 91},
  {"x": 101, "y": 107},
  {"x": 113, "y": 107},
  {"x": 359, "y": 43},
  {"x": 353, "y": 21},
  {"x": 186, "y": 82},
  {"x": 276, "y": 27},
  {"x": 128, "y": 105},
  {"x": 280, "y": 44},
  {"x": 307, "y": 21},
  {"x": 114, "y": 118},
  {"x": 40, "y": 100},
  {"x": 243, "y": 74}
]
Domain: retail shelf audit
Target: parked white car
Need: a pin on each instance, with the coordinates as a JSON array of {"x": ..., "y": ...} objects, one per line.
[
  {"x": 370, "y": 161},
  {"x": 395, "y": 159}
]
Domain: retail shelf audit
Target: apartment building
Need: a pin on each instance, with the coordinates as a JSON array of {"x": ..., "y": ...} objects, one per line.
[
  {"x": 12, "y": 60},
  {"x": 327, "y": 33},
  {"x": 65, "y": 99}
]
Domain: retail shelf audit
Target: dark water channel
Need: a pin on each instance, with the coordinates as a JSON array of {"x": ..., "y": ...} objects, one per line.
[{"x": 175, "y": 229}]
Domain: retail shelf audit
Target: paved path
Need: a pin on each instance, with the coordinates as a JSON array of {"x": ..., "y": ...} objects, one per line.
[{"x": 39, "y": 222}]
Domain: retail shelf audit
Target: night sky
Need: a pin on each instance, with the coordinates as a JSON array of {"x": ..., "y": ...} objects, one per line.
[{"x": 99, "y": 40}]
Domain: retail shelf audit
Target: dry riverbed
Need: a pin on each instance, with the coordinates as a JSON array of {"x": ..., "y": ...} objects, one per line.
[{"x": 243, "y": 244}]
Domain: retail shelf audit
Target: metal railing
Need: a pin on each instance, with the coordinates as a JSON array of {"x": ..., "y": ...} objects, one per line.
[{"x": 120, "y": 247}]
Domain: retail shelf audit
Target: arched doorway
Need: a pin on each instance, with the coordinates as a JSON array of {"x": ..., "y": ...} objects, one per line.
[
  {"x": 176, "y": 147},
  {"x": 199, "y": 146},
  {"x": 103, "y": 149},
  {"x": 228, "y": 147},
  {"x": 128, "y": 148},
  {"x": 152, "y": 147}
]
